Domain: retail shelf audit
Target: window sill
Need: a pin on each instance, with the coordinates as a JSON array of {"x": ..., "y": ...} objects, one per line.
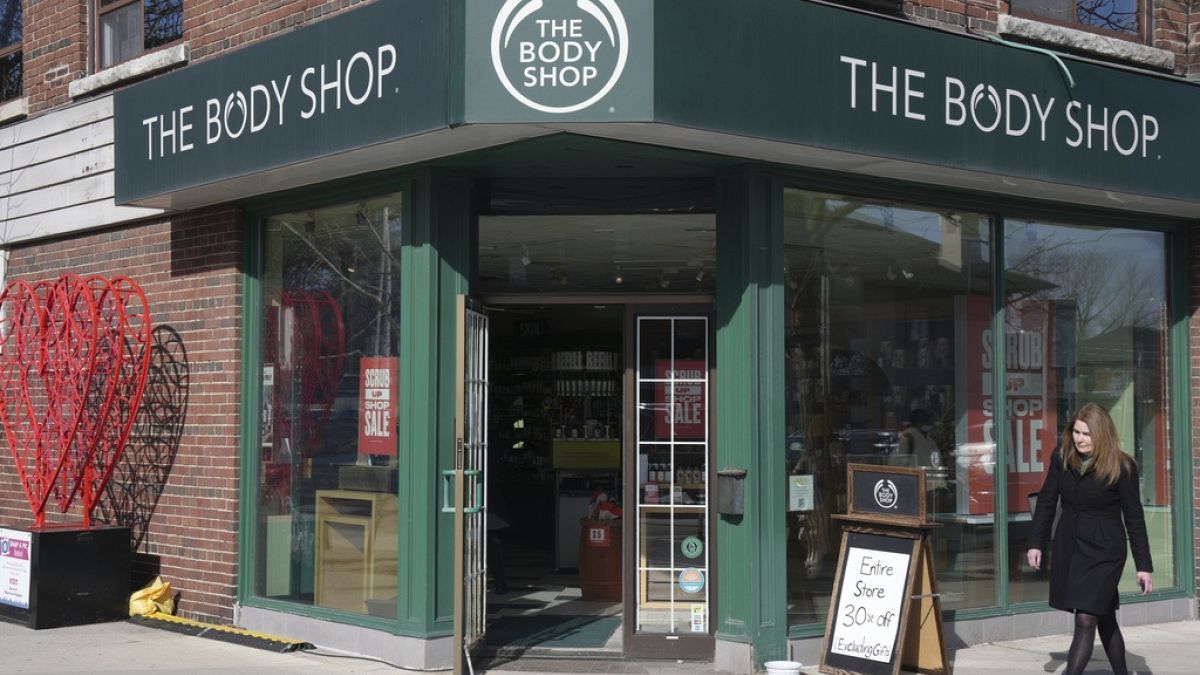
[
  {"x": 1050, "y": 35},
  {"x": 146, "y": 64},
  {"x": 14, "y": 109}
]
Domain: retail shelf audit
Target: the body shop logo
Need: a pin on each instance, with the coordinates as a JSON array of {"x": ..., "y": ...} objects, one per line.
[
  {"x": 886, "y": 495},
  {"x": 559, "y": 56}
]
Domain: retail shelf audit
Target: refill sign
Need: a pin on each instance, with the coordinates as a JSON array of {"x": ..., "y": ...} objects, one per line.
[{"x": 14, "y": 568}]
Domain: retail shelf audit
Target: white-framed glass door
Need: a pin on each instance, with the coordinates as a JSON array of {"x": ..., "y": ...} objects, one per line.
[{"x": 671, "y": 552}]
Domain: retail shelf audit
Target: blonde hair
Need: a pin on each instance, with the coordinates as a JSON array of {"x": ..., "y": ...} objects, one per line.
[{"x": 1108, "y": 460}]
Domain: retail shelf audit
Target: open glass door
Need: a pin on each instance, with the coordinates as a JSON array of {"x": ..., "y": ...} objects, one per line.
[
  {"x": 671, "y": 588},
  {"x": 470, "y": 493}
]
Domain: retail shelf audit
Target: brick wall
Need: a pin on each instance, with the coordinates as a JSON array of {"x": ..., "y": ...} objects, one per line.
[
  {"x": 189, "y": 268},
  {"x": 56, "y": 39},
  {"x": 54, "y": 48}
]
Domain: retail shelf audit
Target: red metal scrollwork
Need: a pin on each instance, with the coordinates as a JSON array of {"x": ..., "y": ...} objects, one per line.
[{"x": 74, "y": 362}]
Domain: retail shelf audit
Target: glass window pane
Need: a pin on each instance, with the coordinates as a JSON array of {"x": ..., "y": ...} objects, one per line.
[
  {"x": 120, "y": 35},
  {"x": 878, "y": 300},
  {"x": 1086, "y": 320},
  {"x": 328, "y": 521},
  {"x": 1115, "y": 15},
  {"x": 163, "y": 22},
  {"x": 11, "y": 23},
  {"x": 10, "y": 76}
]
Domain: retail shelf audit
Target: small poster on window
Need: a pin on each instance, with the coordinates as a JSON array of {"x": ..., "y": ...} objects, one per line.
[
  {"x": 800, "y": 493},
  {"x": 377, "y": 405},
  {"x": 681, "y": 403}
]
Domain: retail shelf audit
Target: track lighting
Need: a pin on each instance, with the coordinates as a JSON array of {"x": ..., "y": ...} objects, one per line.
[
  {"x": 700, "y": 275},
  {"x": 891, "y": 273},
  {"x": 618, "y": 277},
  {"x": 525, "y": 259},
  {"x": 907, "y": 273}
]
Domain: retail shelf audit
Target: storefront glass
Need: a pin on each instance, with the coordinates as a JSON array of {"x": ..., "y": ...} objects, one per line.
[
  {"x": 327, "y": 497},
  {"x": 878, "y": 305},
  {"x": 1086, "y": 320}
]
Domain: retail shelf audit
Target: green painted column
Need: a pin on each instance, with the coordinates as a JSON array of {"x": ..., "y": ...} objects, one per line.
[
  {"x": 751, "y": 558},
  {"x": 435, "y": 264}
]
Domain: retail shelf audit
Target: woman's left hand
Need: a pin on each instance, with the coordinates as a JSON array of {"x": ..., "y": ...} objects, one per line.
[{"x": 1145, "y": 582}]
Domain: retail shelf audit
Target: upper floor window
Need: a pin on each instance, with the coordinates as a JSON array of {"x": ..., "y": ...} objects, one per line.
[
  {"x": 10, "y": 49},
  {"x": 1123, "y": 17},
  {"x": 130, "y": 27}
]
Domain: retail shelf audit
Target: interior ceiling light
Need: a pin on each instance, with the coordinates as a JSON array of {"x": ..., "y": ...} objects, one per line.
[
  {"x": 891, "y": 273},
  {"x": 908, "y": 274},
  {"x": 525, "y": 259},
  {"x": 619, "y": 278},
  {"x": 700, "y": 275}
]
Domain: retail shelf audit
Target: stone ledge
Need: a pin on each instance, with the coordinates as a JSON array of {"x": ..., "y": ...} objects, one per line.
[
  {"x": 14, "y": 109},
  {"x": 1030, "y": 30},
  {"x": 147, "y": 64}
]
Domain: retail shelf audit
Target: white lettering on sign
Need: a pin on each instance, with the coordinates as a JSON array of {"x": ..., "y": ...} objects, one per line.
[
  {"x": 872, "y": 595},
  {"x": 559, "y": 56},
  {"x": 231, "y": 115},
  {"x": 988, "y": 109},
  {"x": 377, "y": 405}
]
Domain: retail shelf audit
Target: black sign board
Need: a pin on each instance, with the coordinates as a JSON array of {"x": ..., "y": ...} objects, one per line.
[
  {"x": 885, "y": 612},
  {"x": 896, "y": 493}
]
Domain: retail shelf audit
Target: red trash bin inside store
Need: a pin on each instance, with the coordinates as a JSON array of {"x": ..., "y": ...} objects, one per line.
[{"x": 600, "y": 559}]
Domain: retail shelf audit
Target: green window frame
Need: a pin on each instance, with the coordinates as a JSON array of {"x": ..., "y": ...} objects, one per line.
[{"x": 1178, "y": 368}]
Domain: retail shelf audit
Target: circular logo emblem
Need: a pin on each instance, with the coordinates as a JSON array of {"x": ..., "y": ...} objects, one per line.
[
  {"x": 691, "y": 580},
  {"x": 4, "y": 547},
  {"x": 692, "y": 547},
  {"x": 559, "y": 56},
  {"x": 886, "y": 495}
]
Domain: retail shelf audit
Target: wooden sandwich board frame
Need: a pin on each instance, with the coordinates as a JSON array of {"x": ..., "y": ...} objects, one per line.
[{"x": 918, "y": 642}]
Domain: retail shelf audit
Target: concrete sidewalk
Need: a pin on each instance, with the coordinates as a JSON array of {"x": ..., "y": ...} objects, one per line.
[{"x": 1160, "y": 649}]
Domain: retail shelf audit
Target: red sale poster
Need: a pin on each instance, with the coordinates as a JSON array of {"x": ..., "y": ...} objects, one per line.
[
  {"x": 686, "y": 409},
  {"x": 377, "y": 405},
  {"x": 1031, "y": 413}
]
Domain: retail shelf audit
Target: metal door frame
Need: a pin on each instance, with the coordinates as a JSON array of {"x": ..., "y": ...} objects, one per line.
[{"x": 470, "y": 488}]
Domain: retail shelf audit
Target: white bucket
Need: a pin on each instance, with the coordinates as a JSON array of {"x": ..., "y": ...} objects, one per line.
[{"x": 783, "y": 667}]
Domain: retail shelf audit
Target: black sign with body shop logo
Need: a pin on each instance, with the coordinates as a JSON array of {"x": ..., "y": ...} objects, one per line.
[{"x": 886, "y": 491}]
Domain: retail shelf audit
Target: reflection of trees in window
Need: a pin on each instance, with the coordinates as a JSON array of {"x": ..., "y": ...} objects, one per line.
[
  {"x": 1110, "y": 288},
  {"x": 1116, "y": 15},
  {"x": 11, "y": 29},
  {"x": 10, "y": 22},
  {"x": 163, "y": 22},
  {"x": 10, "y": 76},
  {"x": 353, "y": 255}
]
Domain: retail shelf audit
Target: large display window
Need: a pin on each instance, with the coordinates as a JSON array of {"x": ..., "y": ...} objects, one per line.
[
  {"x": 327, "y": 500},
  {"x": 891, "y": 358},
  {"x": 1086, "y": 319},
  {"x": 877, "y": 299}
]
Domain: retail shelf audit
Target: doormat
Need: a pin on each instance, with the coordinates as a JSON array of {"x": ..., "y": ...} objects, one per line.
[{"x": 569, "y": 632}]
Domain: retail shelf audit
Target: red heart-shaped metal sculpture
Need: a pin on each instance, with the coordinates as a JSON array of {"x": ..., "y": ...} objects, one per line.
[{"x": 76, "y": 354}]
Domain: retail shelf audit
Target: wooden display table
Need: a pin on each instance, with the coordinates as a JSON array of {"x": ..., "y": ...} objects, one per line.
[{"x": 357, "y": 544}]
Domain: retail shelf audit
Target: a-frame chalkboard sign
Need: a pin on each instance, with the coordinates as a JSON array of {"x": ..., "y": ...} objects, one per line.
[{"x": 885, "y": 612}]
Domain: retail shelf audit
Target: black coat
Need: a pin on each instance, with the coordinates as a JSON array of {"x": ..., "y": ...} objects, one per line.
[{"x": 1089, "y": 545}]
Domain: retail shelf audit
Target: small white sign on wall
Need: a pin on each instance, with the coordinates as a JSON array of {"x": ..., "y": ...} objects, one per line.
[{"x": 15, "y": 551}]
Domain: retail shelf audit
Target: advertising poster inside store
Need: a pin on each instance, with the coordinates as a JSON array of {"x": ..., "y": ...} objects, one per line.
[
  {"x": 686, "y": 408},
  {"x": 1031, "y": 390}
]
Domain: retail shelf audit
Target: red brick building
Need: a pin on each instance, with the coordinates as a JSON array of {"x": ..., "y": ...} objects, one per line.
[{"x": 209, "y": 231}]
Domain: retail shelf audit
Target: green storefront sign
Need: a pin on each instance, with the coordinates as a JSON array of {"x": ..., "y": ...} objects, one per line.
[{"x": 793, "y": 72}]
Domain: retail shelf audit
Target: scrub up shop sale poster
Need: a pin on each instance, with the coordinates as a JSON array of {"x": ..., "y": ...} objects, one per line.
[{"x": 1031, "y": 389}]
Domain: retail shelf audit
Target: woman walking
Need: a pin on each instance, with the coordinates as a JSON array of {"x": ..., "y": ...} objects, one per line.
[{"x": 1097, "y": 484}]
